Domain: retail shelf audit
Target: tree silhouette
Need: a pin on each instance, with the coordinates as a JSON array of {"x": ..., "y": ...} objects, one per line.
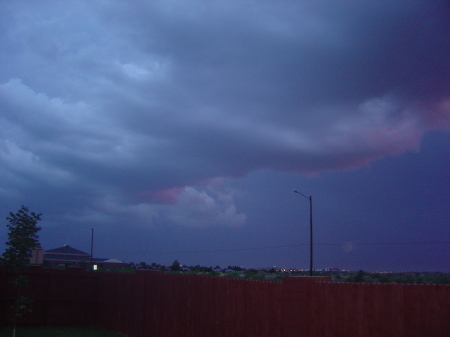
[
  {"x": 176, "y": 266},
  {"x": 22, "y": 238}
]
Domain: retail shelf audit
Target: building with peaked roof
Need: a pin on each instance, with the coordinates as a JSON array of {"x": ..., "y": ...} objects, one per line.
[{"x": 67, "y": 256}]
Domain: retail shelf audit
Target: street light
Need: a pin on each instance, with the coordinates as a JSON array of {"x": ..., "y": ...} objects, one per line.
[
  {"x": 92, "y": 244},
  {"x": 310, "y": 232}
]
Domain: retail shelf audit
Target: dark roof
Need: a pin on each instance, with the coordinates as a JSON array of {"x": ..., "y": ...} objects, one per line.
[
  {"x": 69, "y": 254},
  {"x": 73, "y": 258},
  {"x": 66, "y": 250},
  {"x": 67, "y": 258}
]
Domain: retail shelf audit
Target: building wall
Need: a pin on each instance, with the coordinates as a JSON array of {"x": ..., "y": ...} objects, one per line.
[{"x": 37, "y": 256}]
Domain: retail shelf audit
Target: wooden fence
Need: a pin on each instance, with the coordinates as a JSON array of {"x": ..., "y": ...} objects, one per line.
[
  {"x": 152, "y": 303},
  {"x": 59, "y": 297}
]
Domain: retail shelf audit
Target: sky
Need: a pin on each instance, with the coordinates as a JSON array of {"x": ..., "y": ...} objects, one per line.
[{"x": 179, "y": 130}]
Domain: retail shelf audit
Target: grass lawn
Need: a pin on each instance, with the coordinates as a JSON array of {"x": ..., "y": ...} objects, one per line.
[{"x": 58, "y": 331}]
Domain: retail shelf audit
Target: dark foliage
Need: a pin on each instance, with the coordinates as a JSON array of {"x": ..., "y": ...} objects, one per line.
[{"x": 22, "y": 237}]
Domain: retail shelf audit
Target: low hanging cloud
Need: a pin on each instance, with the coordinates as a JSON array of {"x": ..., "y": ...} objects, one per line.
[
  {"x": 193, "y": 207},
  {"x": 200, "y": 208},
  {"x": 143, "y": 103}
]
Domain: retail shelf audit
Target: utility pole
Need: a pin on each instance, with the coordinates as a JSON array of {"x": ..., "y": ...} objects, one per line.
[
  {"x": 310, "y": 232},
  {"x": 92, "y": 246}
]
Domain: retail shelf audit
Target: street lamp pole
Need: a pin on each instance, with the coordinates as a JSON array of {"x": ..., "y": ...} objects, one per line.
[
  {"x": 92, "y": 245},
  {"x": 310, "y": 232}
]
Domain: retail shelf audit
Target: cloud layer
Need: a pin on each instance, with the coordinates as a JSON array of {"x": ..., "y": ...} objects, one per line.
[{"x": 147, "y": 107}]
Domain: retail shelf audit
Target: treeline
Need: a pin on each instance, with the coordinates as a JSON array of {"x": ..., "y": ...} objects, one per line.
[
  {"x": 274, "y": 274},
  {"x": 403, "y": 277}
]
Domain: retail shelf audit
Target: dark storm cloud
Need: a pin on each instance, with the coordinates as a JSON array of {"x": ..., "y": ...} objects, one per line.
[{"x": 136, "y": 104}]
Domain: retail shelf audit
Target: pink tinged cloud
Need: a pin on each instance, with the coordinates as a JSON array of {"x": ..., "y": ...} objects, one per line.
[
  {"x": 167, "y": 196},
  {"x": 437, "y": 115}
]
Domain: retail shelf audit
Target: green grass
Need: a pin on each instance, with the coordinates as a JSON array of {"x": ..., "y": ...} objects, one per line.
[{"x": 58, "y": 331}]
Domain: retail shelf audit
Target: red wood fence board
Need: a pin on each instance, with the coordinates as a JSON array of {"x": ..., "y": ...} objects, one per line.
[{"x": 152, "y": 303}]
